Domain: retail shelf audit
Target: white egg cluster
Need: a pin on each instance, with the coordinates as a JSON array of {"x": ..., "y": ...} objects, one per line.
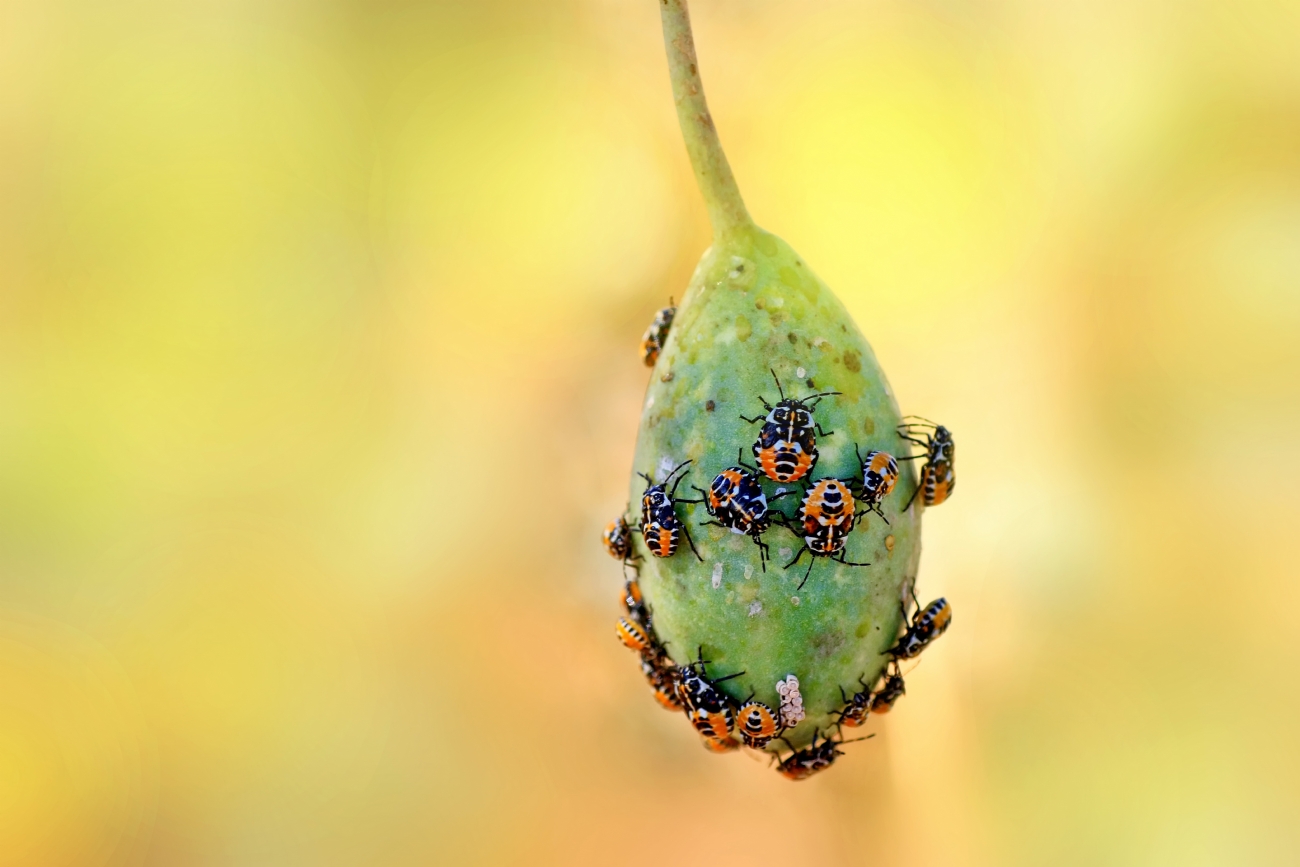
[{"x": 791, "y": 701}]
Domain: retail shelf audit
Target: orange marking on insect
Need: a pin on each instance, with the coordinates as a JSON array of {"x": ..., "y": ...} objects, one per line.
[
  {"x": 720, "y": 745},
  {"x": 942, "y": 617},
  {"x": 827, "y": 503},
  {"x": 665, "y": 696},
  {"x": 712, "y": 724},
  {"x": 802, "y": 466},
  {"x": 757, "y": 724},
  {"x": 938, "y": 491},
  {"x": 631, "y": 634},
  {"x": 633, "y": 588}
]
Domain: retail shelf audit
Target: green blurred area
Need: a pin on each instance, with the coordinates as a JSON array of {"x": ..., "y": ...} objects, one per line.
[{"x": 318, "y": 379}]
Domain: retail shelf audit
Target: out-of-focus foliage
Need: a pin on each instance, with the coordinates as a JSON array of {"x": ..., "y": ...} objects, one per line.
[{"x": 288, "y": 290}]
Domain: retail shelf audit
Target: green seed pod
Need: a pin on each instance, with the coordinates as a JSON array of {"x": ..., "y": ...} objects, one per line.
[{"x": 754, "y": 307}]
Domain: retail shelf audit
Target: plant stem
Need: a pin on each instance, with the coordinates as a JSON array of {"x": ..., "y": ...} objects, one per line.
[{"x": 727, "y": 210}]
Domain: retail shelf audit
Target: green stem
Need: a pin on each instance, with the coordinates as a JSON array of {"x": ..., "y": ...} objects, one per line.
[{"x": 727, "y": 210}]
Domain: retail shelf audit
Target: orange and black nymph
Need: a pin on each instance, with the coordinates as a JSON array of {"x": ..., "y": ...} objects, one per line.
[
  {"x": 879, "y": 475},
  {"x": 758, "y": 724},
  {"x": 661, "y": 674},
  {"x": 697, "y": 692},
  {"x": 825, "y": 518},
  {"x": 882, "y": 700},
  {"x": 927, "y": 625},
  {"x": 802, "y": 764},
  {"x": 855, "y": 710},
  {"x": 652, "y": 343},
  {"x": 736, "y": 502},
  {"x": 938, "y": 477},
  {"x": 633, "y": 635},
  {"x": 660, "y": 527},
  {"x": 786, "y": 448},
  {"x": 618, "y": 539}
]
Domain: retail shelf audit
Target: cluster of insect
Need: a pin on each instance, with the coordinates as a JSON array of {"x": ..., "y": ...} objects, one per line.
[{"x": 784, "y": 452}]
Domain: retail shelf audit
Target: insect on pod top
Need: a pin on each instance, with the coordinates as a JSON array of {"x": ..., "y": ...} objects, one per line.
[
  {"x": 786, "y": 448},
  {"x": 653, "y": 341}
]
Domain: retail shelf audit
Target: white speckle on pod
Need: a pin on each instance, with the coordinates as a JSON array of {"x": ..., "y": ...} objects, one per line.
[
  {"x": 794, "y": 600},
  {"x": 755, "y": 607},
  {"x": 784, "y": 552},
  {"x": 717, "y": 575},
  {"x": 666, "y": 466},
  {"x": 800, "y": 372},
  {"x": 749, "y": 571},
  {"x": 742, "y": 273}
]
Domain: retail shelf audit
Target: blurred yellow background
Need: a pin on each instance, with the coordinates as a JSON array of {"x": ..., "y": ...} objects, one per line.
[{"x": 294, "y": 296}]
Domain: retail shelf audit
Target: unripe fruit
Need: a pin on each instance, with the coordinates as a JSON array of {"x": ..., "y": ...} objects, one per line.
[{"x": 754, "y": 307}]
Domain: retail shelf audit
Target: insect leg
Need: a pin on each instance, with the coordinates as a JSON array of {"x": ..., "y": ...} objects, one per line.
[
  {"x": 691, "y": 542},
  {"x": 811, "y": 561}
]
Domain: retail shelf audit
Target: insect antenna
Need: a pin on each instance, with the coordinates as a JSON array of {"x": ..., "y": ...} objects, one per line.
[
  {"x": 778, "y": 385},
  {"x": 819, "y": 396},
  {"x": 678, "y": 469},
  {"x": 728, "y": 677}
]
